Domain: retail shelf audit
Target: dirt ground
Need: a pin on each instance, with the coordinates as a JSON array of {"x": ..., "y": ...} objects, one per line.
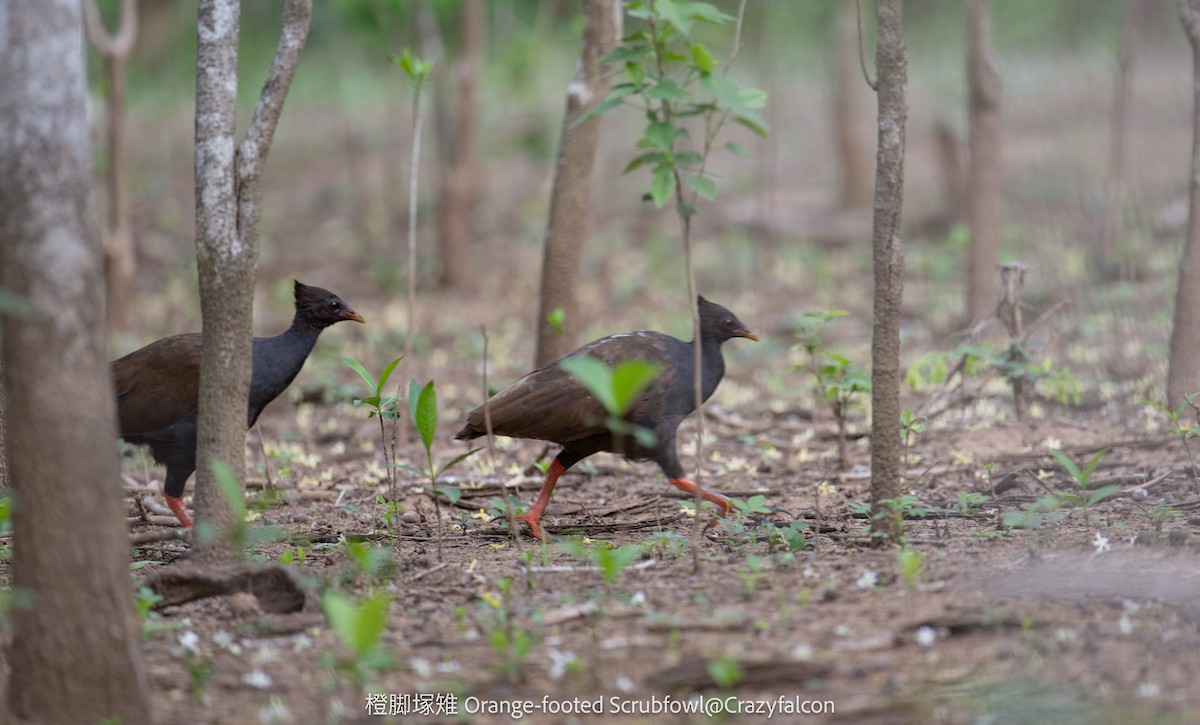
[{"x": 1090, "y": 618}]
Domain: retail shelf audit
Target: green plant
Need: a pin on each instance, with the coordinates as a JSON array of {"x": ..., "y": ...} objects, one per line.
[
  {"x": 725, "y": 671},
  {"x": 911, "y": 426},
  {"x": 359, "y": 627},
  {"x": 616, "y": 388},
  {"x": 381, "y": 407},
  {"x": 899, "y": 510},
  {"x": 1082, "y": 476},
  {"x": 910, "y": 562},
  {"x": 370, "y": 562},
  {"x": 969, "y": 502},
  {"x": 1033, "y": 514},
  {"x": 507, "y": 638},
  {"x": 294, "y": 556},
  {"x": 1179, "y": 427},
  {"x": 842, "y": 380},
  {"x": 612, "y": 560},
  {"x": 242, "y": 534},
  {"x": 422, "y": 402},
  {"x": 1160, "y": 515}
]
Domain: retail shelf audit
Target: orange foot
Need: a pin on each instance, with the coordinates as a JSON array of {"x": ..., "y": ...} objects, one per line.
[
  {"x": 686, "y": 484},
  {"x": 534, "y": 520},
  {"x": 180, "y": 511}
]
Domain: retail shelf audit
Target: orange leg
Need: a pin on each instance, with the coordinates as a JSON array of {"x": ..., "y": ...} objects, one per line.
[
  {"x": 686, "y": 484},
  {"x": 534, "y": 517},
  {"x": 177, "y": 508}
]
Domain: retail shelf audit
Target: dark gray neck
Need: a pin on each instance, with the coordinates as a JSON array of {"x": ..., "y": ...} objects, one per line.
[{"x": 277, "y": 361}]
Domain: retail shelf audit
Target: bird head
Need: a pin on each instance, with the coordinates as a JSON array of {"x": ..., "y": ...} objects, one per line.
[
  {"x": 720, "y": 324},
  {"x": 321, "y": 307}
]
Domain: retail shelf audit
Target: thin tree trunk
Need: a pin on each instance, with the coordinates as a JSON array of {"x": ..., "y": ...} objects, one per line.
[
  {"x": 120, "y": 260},
  {"x": 228, "y": 209},
  {"x": 567, "y": 227},
  {"x": 854, "y": 160},
  {"x": 891, "y": 72},
  {"x": 983, "y": 184},
  {"x": 76, "y": 652},
  {"x": 1183, "y": 373},
  {"x": 457, "y": 187},
  {"x": 1114, "y": 212}
]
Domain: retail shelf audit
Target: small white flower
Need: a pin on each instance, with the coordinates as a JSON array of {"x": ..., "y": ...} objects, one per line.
[
  {"x": 448, "y": 667},
  {"x": 1149, "y": 689},
  {"x": 301, "y": 642},
  {"x": 841, "y": 630},
  {"x": 258, "y": 679},
  {"x": 1052, "y": 443},
  {"x": 926, "y": 636},
  {"x": 421, "y": 667},
  {"x": 1125, "y": 624},
  {"x": 868, "y": 580},
  {"x": 1100, "y": 541},
  {"x": 808, "y": 572},
  {"x": 802, "y": 652},
  {"x": 559, "y": 661},
  {"x": 190, "y": 641},
  {"x": 638, "y": 598},
  {"x": 624, "y": 684},
  {"x": 1063, "y": 634}
]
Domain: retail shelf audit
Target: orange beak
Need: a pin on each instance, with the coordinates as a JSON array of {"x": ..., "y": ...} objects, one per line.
[
  {"x": 352, "y": 315},
  {"x": 746, "y": 334}
]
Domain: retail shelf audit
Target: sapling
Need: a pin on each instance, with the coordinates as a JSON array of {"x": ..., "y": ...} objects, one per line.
[
  {"x": 359, "y": 627},
  {"x": 422, "y": 402},
  {"x": 1082, "y": 476},
  {"x": 381, "y": 407}
]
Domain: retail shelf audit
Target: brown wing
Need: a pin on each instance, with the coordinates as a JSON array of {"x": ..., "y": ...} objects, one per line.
[
  {"x": 157, "y": 385},
  {"x": 550, "y": 405}
]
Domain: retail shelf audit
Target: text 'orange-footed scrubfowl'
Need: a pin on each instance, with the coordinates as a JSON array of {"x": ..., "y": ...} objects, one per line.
[
  {"x": 551, "y": 405},
  {"x": 158, "y": 386}
]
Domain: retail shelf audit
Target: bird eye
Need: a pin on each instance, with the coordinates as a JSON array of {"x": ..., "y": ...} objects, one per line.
[
  {"x": 729, "y": 321},
  {"x": 333, "y": 304}
]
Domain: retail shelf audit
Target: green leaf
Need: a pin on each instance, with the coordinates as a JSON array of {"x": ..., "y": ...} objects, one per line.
[
  {"x": 661, "y": 135},
  {"x": 387, "y": 373},
  {"x": 615, "y": 98},
  {"x": 703, "y": 186},
  {"x": 661, "y": 185},
  {"x": 452, "y": 493},
  {"x": 427, "y": 414},
  {"x": 367, "y": 377},
  {"x": 414, "y": 67},
  {"x": 737, "y": 149},
  {"x": 594, "y": 375},
  {"x": 666, "y": 89},
  {"x": 702, "y": 59},
  {"x": 1090, "y": 468},
  {"x": 1102, "y": 493},
  {"x": 708, "y": 13},
  {"x": 414, "y": 393},
  {"x": 360, "y": 626},
  {"x": 727, "y": 92},
  {"x": 555, "y": 319},
  {"x": 635, "y": 73},
  {"x": 628, "y": 380},
  {"x": 1066, "y": 462},
  {"x": 625, "y": 53},
  {"x": 642, "y": 160},
  {"x": 754, "y": 125},
  {"x": 670, "y": 12}
]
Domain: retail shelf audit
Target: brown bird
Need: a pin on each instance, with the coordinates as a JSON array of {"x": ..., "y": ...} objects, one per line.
[
  {"x": 158, "y": 386},
  {"x": 550, "y": 405}
]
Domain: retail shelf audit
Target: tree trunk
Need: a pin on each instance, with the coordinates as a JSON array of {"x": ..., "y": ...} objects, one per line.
[
  {"x": 891, "y": 72},
  {"x": 459, "y": 148},
  {"x": 854, "y": 160},
  {"x": 1114, "y": 212},
  {"x": 120, "y": 261},
  {"x": 228, "y": 209},
  {"x": 567, "y": 227},
  {"x": 983, "y": 184},
  {"x": 1183, "y": 373},
  {"x": 76, "y": 651}
]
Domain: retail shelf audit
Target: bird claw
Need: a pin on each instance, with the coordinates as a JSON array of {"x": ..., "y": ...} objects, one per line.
[{"x": 533, "y": 521}]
